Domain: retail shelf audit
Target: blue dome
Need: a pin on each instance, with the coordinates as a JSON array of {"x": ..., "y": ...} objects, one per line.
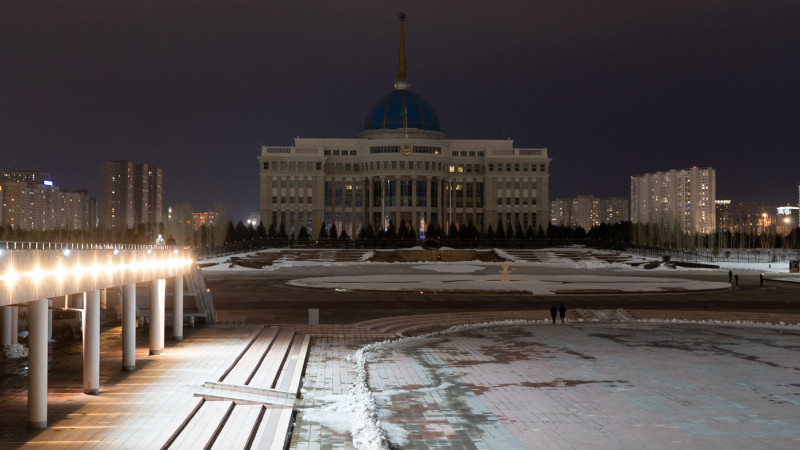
[{"x": 387, "y": 114}]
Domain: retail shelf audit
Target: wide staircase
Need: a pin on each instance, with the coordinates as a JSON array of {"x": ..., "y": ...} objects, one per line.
[{"x": 251, "y": 405}]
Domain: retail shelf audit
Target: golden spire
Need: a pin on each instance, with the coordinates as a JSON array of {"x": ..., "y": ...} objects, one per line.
[{"x": 402, "y": 83}]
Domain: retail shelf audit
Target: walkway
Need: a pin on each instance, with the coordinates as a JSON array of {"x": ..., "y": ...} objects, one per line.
[{"x": 142, "y": 409}]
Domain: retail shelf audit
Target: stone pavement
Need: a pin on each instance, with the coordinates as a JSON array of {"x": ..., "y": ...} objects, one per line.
[{"x": 578, "y": 385}]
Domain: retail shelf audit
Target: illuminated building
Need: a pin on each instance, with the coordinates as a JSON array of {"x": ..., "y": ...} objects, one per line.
[
  {"x": 561, "y": 212},
  {"x": 31, "y": 201},
  {"x": 200, "y": 219},
  {"x": 682, "y": 198},
  {"x": 586, "y": 211},
  {"x": 786, "y": 219},
  {"x": 404, "y": 169},
  {"x": 723, "y": 212},
  {"x": 130, "y": 194}
]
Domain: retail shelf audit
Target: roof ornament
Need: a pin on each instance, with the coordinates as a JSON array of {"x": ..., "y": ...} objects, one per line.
[{"x": 402, "y": 83}]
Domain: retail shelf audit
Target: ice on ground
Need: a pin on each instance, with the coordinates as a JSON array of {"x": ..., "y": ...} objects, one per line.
[
  {"x": 448, "y": 268},
  {"x": 338, "y": 415}
]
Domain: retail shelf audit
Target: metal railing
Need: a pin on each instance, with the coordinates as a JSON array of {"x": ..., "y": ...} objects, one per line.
[
  {"x": 768, "y": 255},
  {"x": 14, "y": 245}
]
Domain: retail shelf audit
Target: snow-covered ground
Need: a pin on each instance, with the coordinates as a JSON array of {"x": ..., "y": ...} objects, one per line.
[
  {"x": 360, "y": 413},
  {"x": 612, "y": 276},
  {"x": 556, "y": 258},
  {"x": 459, "y": 280}
]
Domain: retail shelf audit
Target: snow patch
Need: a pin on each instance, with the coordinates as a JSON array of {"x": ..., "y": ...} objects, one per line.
[
  {"x": 15, "y": 351},
  {"x": 449, "y": 268}
]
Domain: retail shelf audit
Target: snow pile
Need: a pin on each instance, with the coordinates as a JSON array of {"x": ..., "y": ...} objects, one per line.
[
  {"x": 366, "y": 428},
  {"x": 721, "y": 322},
  {"x": 599, "y": 264},
  {"x": 508, "y": 257},
  {"x": 367, "y": 256},
  {"x": 15, "y": 351}
]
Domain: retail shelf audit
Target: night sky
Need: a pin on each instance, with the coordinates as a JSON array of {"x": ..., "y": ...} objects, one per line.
[{"x": 611, "y": 88}]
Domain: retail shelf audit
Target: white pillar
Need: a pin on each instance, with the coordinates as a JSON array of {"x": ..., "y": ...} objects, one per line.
[
  {"x": 37, "y": 363},
  {"x": 129, "y": 327},
  {"x": 14, "y": 325},
  {"x": 91, "y": 343},
  {"x": 49, "y": 319},
  {"x": 177, "y": 308},
  {"x": 5, "y": 326},
  {"x": 157, "y": 295}
]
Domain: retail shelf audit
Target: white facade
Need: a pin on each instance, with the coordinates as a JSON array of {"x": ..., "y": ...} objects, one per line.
[
  {"x": 403, "y": 169},
  {"x": 682, "y": 198},
  {"x": 417, "y": 180}
]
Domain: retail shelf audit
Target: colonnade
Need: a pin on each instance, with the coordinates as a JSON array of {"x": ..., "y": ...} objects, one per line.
[
  {"x": 40, "y": 329},
  {"x": 374, "y": 203}
]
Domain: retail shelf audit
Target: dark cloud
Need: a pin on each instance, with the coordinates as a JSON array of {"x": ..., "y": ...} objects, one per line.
[{"x": 612, "y": 88}]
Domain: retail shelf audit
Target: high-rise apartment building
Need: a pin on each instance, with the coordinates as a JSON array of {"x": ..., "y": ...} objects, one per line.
[
  {"x": 561, "y": 212},
  {"x": 723, "y": 214},
  {"x": 404, "y": 169},
  {"x": 30, "y": 201},
  {"x": 130, "y": 194},
  {"x": 586, "y": 211},
  {"x": 682, "y": 198}
]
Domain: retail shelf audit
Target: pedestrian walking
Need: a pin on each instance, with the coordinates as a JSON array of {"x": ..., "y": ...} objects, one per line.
[
  {"x": 736, "y": 278},
  {"x": 553, "y": 313},
  {"x": 730, "y": 276},
  {"x": 562, "y": 311},
  {"x": 761, "y": 279}
]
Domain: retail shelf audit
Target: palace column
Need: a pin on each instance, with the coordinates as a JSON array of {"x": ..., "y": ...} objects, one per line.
[
  {"x": 383, "y": 204},
  {"x": 397, "y": 202},
  {"x": 414, "y": 221}
]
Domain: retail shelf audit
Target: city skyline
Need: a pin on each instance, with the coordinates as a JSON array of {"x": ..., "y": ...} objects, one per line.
[{"x": 612, "y": 90}]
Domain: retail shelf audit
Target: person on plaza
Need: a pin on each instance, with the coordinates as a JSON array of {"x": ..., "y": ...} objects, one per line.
[
  {"x": 761, "y": 279},
  {"x": 160, "y": 240},
  {"x": 736, "y": 278},
  {"x": 553, "y": 313},
  {"x": 730, "y": 276},
  {"x": 171, "y": 240},
  {"x": 562, "y": 311}
]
